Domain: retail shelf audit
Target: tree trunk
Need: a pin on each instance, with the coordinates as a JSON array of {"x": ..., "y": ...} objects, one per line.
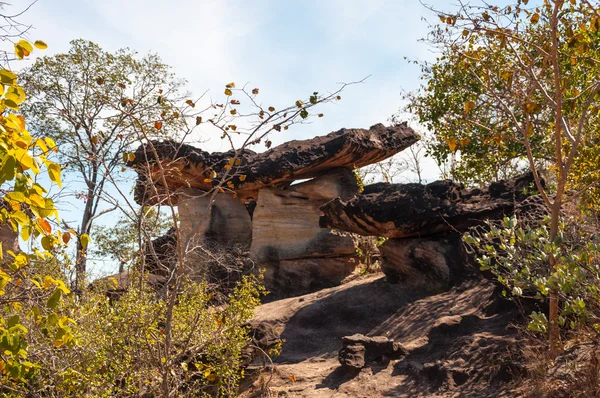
[
  {"x": 81, "y": 259},
  {"x": 553, "y": 327}
]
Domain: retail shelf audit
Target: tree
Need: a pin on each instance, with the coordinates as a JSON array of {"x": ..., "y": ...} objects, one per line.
[
  {"x": 86, "y": 100},
  {"x": 31, "y": 293},
  {"x": 518, "y": 86},
  {"x": 120, "y": 241}
]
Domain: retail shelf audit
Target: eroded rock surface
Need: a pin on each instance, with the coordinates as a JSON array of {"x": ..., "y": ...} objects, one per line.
[
  {"x": 450, "y": 338},
  {"x": 417, "y": 210},
  {"x": 359, "y": 350},
  {"x": 300, "y": 256},
  {"x": 189, "y": 167},
  {"x": 229, "y": 222},
  {"x": 428, "y": 262}
]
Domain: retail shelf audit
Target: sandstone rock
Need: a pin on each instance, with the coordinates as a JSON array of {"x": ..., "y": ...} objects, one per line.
[
  {"x": 299, "y": 276},
  {"x": 265, "y": 338},
  {"x": 229, "y": 223},
  {"x": 352, "y": 356},
  {"x": 161, "y": 253},
  {"x": 427, "y": 262},
  {"x": 286, "y": 222},
  {"x": 376, "y": 348},
  {"x": 116, "y": 285},
  {"x": 187, "y": 166},
  {"x": 410, "y": 210},
  {"x": 299, "y": 256}
]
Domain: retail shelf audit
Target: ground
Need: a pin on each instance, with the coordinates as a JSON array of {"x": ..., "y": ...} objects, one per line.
[{"x": 460, "y": 342}]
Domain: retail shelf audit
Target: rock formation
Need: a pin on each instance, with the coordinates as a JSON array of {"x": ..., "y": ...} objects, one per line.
[
  {"x": 425, "y": 222},
  {"x": 417, "y": 210},
  {"x": 300, "y": 256},
  {"x": 186, "y": 166},
  {"x": 261, "y": 207}
]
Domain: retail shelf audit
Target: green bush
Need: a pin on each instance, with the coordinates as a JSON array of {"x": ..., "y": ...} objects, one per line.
[{"x": 519, "y": 254}]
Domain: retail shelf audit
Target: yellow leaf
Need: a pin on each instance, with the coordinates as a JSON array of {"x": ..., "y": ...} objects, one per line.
[
  {"x": 26, "y": 45},
  {"x": 7, "y": 77},
  {"x": 19, "y": 51},
  {"x": 242, "y": 178},
  {"x": 85, "y": 240},
  {"x": 131, "y": 157},
  {"x": 292, "y": 378},
  {"x": 40, "y": 44},
  {"x": 535, "y": 18},
  {"x": 25, "y": 159},
  {"x": 48, "y": 282},
  {"x": 451, "y": 143},
  {"x": 54, "y": 174},
  {"x": 37, "y": 200},
  {"x": 228, "y": 92},
  {"x": 51, "y": 144},
  {"x": 230, "y": 85},
  {"x": 21, "y": 260},
  {"x": 42, "y": 145},
  {"x": 469, "y": 105},
  {"x": 464, "y": 142}
]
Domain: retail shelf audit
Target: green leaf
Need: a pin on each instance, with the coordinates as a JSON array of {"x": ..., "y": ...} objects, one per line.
[
  {"x": 54, "y": 299},
  {"x": 12, "y": 321},
  {"x": 7, "y": 170}
]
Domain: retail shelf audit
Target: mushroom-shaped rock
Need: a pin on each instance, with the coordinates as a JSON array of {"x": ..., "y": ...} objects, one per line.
[
  {"x": 415, "y": 210},
  {"x": 181, "y": 165}
]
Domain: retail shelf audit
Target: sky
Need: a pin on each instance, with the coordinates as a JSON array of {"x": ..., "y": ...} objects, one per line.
[{"x": 287, "y": 49}]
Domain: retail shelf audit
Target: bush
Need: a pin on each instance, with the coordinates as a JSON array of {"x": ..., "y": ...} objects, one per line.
[
  {"x": 519, "y": 255},
  {"x": 119, "y": 347}
]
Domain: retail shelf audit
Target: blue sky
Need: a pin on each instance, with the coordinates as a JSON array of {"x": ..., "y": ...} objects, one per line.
[{"x": 288, "y": 49}]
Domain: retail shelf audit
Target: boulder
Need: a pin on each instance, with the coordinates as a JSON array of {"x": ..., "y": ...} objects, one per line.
[
  {"x": 359, "y": 350},
  {"x": 352, "y": 356},
  {"x": 188, "y": 167},
  {"x": 417, "y": 210},
  {"x": 430, "y": 263}
]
